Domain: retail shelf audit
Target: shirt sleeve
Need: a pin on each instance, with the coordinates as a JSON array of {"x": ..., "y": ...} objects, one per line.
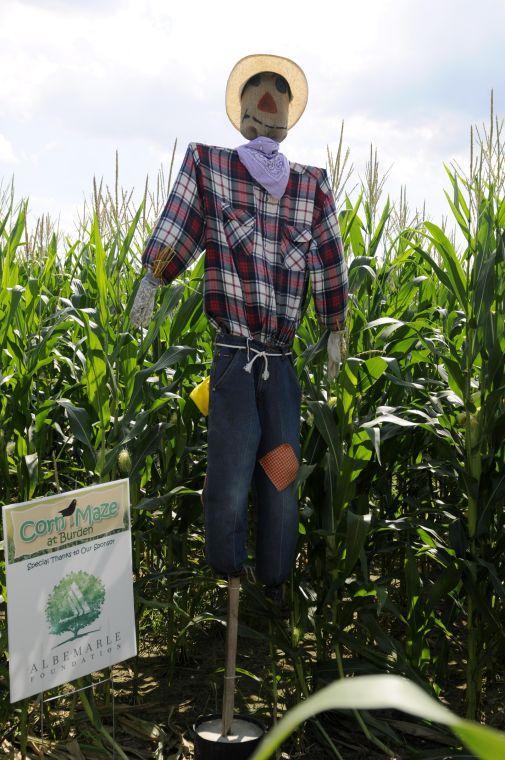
[
  {"x": 326, "y": 260},
  {"x": 178, "y": 233}
]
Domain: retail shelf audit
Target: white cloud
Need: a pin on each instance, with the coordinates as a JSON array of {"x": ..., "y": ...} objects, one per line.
[
  {"x": 7, "y": 155},
  {"x": 82, "y": 78}
]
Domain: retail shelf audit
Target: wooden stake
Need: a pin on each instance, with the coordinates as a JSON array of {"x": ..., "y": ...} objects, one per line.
[{"x": 231, "y": 654}]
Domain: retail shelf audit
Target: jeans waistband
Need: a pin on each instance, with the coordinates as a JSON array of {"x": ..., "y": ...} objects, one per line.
[
  {"x": 240, "y": 340},
  {"x": 258, "y": 348}
]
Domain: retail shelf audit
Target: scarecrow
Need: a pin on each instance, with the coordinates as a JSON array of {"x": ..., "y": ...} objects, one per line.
[{"x": 269, "y": 227}]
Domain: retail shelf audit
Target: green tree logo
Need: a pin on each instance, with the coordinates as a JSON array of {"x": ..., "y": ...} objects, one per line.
[{"x": 74, "y": 603}]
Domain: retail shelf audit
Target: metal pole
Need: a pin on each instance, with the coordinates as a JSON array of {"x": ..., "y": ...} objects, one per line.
[{"x": 41, "y": 700}]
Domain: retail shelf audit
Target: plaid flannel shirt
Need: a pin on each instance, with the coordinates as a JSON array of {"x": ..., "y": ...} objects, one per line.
[{"x": 260, "y": 252}]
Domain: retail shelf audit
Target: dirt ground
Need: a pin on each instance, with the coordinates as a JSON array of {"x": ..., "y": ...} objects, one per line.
[{"x": 155, "y": 719}]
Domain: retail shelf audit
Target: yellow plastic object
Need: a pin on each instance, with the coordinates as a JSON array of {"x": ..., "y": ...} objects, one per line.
[{"x": 200, "y": 395}]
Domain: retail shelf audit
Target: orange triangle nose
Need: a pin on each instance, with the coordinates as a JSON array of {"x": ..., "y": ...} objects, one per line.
[{"x": 267, "y": 103}]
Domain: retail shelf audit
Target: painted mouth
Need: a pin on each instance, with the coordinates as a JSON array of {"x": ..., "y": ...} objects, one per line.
[{"x": 270, "y": 126}]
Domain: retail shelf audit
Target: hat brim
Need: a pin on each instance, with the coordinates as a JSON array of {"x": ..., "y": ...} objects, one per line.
[{"x": 246, "y": 67}]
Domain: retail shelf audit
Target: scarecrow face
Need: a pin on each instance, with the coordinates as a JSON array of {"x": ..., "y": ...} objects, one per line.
[{"x": 264, "y": 106}]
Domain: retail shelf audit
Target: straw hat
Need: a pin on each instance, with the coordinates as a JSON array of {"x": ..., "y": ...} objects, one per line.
[{"x": 255, "y": 64}]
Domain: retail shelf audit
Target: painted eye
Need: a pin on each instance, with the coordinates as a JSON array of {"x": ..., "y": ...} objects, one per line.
[
  {"x": 281, "y": 84},
  {"x": 255, "y": 80}
]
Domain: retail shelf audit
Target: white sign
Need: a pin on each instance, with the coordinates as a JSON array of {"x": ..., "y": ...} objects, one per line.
[{"x": 69, "y": 575}]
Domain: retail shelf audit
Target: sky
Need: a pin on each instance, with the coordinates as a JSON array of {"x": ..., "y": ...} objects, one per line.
[{"x": 81, "y": 79}]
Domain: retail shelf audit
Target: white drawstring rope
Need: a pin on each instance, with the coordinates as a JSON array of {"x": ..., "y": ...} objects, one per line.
[
  {"x": 248, "y": 366},
  {"x": 264, "y": 354}
]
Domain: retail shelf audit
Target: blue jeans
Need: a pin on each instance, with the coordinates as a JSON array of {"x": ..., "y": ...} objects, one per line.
[{"x": 253, "y": 441}]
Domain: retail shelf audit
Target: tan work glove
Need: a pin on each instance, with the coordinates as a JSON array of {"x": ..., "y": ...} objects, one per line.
[
  {"x": 337, "y": 352},
  {"x": 143, "y": 305}
]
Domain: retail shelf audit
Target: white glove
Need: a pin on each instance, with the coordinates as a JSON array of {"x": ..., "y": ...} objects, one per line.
[
  {"x": 143, "y": 305},
  {"x": 337, "y": 352}
]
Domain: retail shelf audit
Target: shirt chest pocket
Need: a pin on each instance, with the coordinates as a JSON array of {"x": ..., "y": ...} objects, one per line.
[
  {"x": 239, "y": 226},
  {"x": 295, "y": 245}
]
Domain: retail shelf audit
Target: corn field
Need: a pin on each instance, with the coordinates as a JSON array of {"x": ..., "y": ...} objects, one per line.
[{"x": 401, "y": 561}]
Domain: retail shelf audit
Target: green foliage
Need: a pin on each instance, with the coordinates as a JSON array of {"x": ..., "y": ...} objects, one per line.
[
  {"x": 402, "y": 528},
  {"x": 372, "y": 692}
]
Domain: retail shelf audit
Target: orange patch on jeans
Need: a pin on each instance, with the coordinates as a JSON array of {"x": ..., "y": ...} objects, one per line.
[{"x": 281, "y": 465}]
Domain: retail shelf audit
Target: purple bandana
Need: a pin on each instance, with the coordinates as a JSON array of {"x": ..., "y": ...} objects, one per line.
[{"x": 262, "y": 159}]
